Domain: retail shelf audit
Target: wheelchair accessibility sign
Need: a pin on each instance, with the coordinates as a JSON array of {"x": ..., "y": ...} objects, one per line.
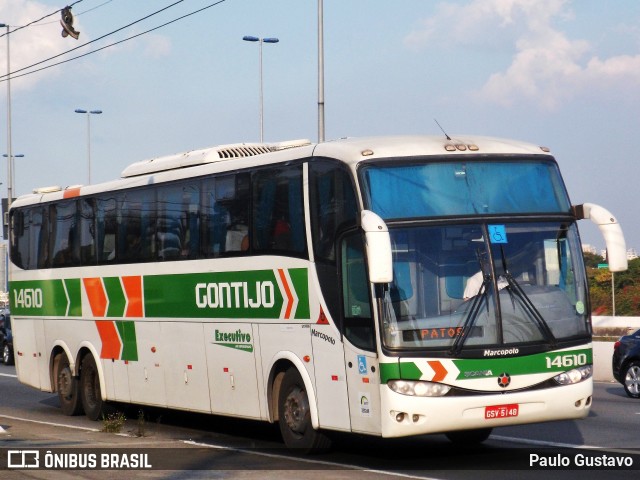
[
  {"x": 497, "y": 234},
  {"x": 362, "y": 365}
]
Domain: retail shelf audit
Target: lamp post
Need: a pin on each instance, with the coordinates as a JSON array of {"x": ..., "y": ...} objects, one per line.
[
  {"x": 10, "y": 178},
  {"x": 320, "y": 71},
  {"x": 88, "y": 113},
  {"x": 9, "y": 155},
  {"x": 249, "y": 38}
]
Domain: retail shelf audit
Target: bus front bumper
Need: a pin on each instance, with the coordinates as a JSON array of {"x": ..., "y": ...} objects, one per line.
[{"x": 404, "y": 415}]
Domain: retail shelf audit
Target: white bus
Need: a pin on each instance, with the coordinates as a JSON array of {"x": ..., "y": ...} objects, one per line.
[{"x": 386, "y": 286}]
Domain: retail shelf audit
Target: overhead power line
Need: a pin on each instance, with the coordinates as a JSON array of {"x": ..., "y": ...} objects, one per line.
[
  {"x": 3, "y": 78},
  {"x": 81, "y": 46},
  {"x": 40, "y": 19}
]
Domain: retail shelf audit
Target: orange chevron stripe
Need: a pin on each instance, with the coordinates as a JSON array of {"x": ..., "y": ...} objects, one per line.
[
  {"x": 111, "y": 345},
  {"x": 440, "y": 372},
  {"x": 97, "y": 296},
  {"x": 283, "y": 277},
  {"x": 133, "y": 290}
]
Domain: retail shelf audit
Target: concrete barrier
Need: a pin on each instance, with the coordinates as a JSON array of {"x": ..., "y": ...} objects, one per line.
[{"x": 603, "y": 350}]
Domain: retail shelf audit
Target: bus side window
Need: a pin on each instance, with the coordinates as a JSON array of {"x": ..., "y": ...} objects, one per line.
[
  {"x": 278, "y": 212},
  {"x": 233, "y": 197},
  {"x": 40, "y": 241},
  {"x": 106, "y": 226},
  {"x": 87, "y": 231},
  {"x": 64, "y": 234},
  {"x": 333, "y": 206},
  {"x": 170, "y": 231},
  {"x": 356, "y": 301},
  {"x": 20, "y": 238},
  {"x": 215, "y": 219},
  {"x": 137, "y": 227}
]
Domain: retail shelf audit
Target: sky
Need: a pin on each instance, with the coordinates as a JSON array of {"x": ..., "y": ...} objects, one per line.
[{"x": 559, "y": 73}]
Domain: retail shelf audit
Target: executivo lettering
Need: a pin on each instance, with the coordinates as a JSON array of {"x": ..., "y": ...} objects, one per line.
[{"x": 238, "y": 340}]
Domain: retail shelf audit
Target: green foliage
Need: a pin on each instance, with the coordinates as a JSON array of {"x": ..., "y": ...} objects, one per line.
[
  {"x": 627, "y": 289},
  {"x": 591, "y": 260},
  {"x": 113, "y": 422}
]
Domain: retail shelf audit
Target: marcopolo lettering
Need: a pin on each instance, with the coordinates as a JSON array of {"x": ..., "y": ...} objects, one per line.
[
  {"x": 235, "y": 295},
  {"x": 323, "y": 336},
  {"x": 500, "y": 353}
]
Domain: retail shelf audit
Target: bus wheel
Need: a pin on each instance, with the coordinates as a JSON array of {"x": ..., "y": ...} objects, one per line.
[
  {"x": 67, "y": 386},
  {"x": 469, "y": 437},
  {"x": 90, "y": 388},
  {"x": 294, "y": 416}
]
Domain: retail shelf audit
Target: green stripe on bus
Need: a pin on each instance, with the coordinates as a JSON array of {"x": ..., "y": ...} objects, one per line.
[
  {"x": 75, "y": 296},
  {"x": 548, "y": 362},
  {"x": 301, "y": 286},
  {"x": 389, "y": 371},
  {"x": 127, "y": 331},
  {"x": 539, "y": 363},
  {"x": 245, "y": 294},
  {"x": 115, "y": 294},
  {"x": 253, "y": 294},
  {"x": 46, "y": 298}
]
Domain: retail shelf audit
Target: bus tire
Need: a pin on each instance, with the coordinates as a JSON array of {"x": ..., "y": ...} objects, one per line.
[
  {"x": 469, "y": 437},
  {"x": 294, "y": 416},
  {"x": 67, "y": 386},
  {"x": 90, "y": 388}
]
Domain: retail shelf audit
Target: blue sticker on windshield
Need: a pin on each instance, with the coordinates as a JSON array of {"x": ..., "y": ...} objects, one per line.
[{"x": 497, "y": 234}]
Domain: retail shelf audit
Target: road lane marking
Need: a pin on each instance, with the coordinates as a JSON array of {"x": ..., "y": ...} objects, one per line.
[
  {"x": 8, "y": 375},
  {"x": 543, "y": 443},
  {"x": 52, "y": 424},
  {"x": 306, "y": 460}
]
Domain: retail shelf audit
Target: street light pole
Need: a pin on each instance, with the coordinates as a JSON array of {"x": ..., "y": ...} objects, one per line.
[
  {"x": 89, "y": 113},
  {"x": 249, "y": 38},
  {"x": 11, "y": 159},
  {"x": 320, "y": 71},
  {"x": 9, "y": 155}
]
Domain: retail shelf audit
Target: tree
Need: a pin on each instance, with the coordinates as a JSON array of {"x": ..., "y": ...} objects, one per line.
[{"x": 627, "y": 289}]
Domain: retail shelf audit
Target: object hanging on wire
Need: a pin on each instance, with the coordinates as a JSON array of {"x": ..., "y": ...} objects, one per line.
[{"x": 67, "y": 23}]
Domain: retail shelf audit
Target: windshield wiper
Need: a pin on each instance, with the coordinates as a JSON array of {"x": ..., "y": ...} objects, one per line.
[
  {"x": 471, "y": 317},
  {"x": 515, "y": 289}
]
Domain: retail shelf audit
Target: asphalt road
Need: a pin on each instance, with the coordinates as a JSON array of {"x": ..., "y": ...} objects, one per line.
[{"x": 186, "y": 445}]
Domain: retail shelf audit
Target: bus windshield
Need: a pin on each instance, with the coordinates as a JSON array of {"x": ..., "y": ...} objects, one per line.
[
  {"x": 485, "y": 285},
  {"x": 434, "y": 189}
]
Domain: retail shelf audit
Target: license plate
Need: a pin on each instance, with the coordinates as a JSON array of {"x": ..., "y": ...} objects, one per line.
[{"x": 501, "y": 411}]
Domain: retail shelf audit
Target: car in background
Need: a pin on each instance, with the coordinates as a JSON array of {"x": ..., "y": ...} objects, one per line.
[
  {"x": 6, "y": 338},
  {"x": 626, "y": 363}
]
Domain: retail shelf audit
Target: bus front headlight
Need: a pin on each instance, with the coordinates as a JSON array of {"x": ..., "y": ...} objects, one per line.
[
  {"x": 418, "y": 388},
  {"x": 574, "y": 376}
]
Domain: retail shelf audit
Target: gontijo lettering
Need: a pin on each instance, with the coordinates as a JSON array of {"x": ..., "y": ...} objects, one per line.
[{"x": 234, "y": 295}]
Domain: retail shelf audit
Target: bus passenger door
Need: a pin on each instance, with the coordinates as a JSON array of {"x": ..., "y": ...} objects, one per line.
[
  {"x": 363, "y": 378},
  {"x": 331, "y": 386}
]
